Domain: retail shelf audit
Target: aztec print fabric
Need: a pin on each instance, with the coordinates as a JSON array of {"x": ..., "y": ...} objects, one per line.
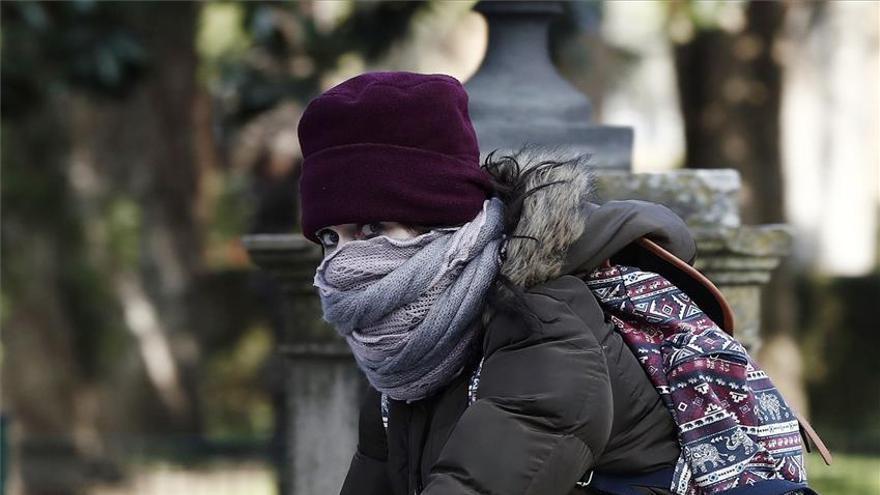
[{"x": 736, "y": 431}]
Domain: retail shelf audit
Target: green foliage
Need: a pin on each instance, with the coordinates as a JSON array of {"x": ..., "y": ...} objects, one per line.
[
  {"x": 34, "y": 200},
  {"x": 236, "y": 404},
  {"x": 848, "y": 475},
  {"x": 841, "y": 372},
  {"x": 688, "y": 18},
  {"x": 43, "y": 232},
  {"x": 291, "y": 50},
  {"x": 81, "y": 44},
  {"x": 99, "y": 334},
  {"x": 232, "y": 208},
  {"x": 221, "y": 39},
  {"x": 33, "y": 185},
  {"x": 122, "y": 218},
  {"x": 705, "y": 14}
]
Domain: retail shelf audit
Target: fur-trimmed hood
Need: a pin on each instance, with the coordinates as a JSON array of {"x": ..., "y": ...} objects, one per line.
[{"x": 560, "y": 226}]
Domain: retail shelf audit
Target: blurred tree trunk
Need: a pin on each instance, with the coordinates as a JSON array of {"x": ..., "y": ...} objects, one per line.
[
  {"x": 43, "y": 379},
  {"x": 730, "y": 89},
  {"x": 73, "y": 285},
  {"x": 142, "y": 148},
  {"x": 169, "y": 194}
]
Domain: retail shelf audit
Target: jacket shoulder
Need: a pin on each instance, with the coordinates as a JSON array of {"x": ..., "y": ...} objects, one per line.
[
  {"x": 560, "y": 308},
  {"x": 548, "y": 352}
]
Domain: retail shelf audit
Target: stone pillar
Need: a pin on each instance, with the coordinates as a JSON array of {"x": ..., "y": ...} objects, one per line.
[
  {"x": 517, "y": 96},
  {"x": 322, "y": 382},
  {"x": 739, "y": 259}
]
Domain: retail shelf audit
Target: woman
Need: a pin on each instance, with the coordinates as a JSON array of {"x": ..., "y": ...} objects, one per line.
[{"x": 435, "y": 267}]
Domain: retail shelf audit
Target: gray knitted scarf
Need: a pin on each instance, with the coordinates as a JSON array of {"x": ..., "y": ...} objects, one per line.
[{"x": 408, "y": 308}]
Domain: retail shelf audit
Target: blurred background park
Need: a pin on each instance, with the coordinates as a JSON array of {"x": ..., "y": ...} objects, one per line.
[{"x": 142, "y": 140}]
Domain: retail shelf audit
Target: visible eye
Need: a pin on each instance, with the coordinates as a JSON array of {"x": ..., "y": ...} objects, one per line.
[
  {"x": 372, "y": 229},
  {"x": 328, "y": 237}
]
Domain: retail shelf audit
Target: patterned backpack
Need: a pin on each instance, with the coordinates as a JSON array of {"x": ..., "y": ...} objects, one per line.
[{"x": 735, "y": 430}]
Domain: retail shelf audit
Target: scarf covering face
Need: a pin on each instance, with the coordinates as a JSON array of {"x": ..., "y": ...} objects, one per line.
[{"x": 408, "y": 308}]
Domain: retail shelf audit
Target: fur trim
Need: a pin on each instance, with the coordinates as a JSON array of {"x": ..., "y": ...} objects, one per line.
[{"x": 545, "y": 190}]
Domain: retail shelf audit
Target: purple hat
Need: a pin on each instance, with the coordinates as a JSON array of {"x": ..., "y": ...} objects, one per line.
[{"x": 390, "y": 146}]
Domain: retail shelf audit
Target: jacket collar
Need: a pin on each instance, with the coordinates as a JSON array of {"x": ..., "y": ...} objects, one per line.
[
  {"x": 551, "y": 218},
  {"x": 561, "y": 229},
  {"x": 558, "y": 226}
]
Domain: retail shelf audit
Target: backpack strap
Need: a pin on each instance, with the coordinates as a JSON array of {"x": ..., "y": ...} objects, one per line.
[
  {"x": 727, "y": 323},
  {"x": 810, "y": 436},
  {"x": 624, "y": 484}
]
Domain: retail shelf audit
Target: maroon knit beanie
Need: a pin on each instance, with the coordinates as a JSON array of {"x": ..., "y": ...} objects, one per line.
[{"x": 390, "y": 146}]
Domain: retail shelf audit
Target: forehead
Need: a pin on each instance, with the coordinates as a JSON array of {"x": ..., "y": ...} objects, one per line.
[
  {"x": 343, "y": 226},
  {"x": 354, "y": 226}
]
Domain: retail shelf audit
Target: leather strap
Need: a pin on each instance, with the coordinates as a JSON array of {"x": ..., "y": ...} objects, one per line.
[
  {"x": 728, "y": 324},
  {"x": 810, "y": 435}
]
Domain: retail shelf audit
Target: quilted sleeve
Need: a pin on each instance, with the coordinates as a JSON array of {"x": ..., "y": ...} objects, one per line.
[{"x": 543, "y": 412}]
